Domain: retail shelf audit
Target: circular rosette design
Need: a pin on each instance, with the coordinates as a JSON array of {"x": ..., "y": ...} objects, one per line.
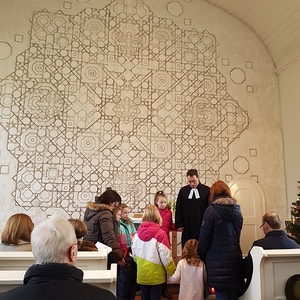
[
  {"x": 210, "y": 85},
  {"x": 162, "y": 34},
  {"x": 36, "y": 68},
  {"x": 129, "y": 38},
  {"x": 161, "y": 148},
  {"x": 43, "y": 103},
  {"x": 88, "y": 143},
  {"x": 92, "y": 73},
  {"x": 94, "y": 28},
  {"x": 162, "y": 80},
  {"x": 30, "y": 140},
  {"x": 201, "y": 116},
  {"x": 82, "y": 197}
]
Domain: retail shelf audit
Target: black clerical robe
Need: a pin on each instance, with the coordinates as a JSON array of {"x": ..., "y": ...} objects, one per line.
[{"x": 189, "y": 212}]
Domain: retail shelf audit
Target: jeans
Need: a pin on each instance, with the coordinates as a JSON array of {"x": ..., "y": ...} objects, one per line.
[
  {"x": 126, "y": 285},
  {"x": 226, "y": 295},
  {"x": 151, "y": 292}
]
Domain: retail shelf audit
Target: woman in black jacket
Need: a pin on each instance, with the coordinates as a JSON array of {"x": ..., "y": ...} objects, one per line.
[{"x": 219, "y": 242}]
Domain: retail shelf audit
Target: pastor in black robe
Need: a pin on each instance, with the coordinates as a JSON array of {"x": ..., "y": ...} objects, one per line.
[{"x": 189, "y": 212}]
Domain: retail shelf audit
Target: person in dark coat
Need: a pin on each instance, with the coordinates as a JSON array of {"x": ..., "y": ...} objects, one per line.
[
  {"x": 103, "y": 226},
  {"x": 275, "y": 238},
  {"x": 54, "y": 276},
  {"x": 219, "y": 242},
  {"x": 191, "y": 204}
]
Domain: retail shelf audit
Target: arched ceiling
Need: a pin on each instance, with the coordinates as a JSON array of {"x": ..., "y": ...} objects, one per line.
[{"x": 276, "y": 22}]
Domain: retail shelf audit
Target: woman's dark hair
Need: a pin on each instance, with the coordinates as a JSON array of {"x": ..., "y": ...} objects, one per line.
[{"x": 108, "y": 197}]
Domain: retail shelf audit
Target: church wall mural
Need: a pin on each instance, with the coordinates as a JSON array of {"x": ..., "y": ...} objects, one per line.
[{"x": 130, "y": 94}]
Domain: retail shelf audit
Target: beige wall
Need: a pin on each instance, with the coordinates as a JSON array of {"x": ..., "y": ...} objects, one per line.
[
  {"x": 290, "y": 108},
  {"x": 131, "y": 94}
]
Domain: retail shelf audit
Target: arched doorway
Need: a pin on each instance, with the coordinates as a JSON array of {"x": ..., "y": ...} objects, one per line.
[{"x": 251, "y": 198}]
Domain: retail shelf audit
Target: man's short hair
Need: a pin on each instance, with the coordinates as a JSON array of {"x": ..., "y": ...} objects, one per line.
[
  {"x": 51, "y": 240},
  {"x": 272, "y": 219},
  {"x": 192, "y": 172}
]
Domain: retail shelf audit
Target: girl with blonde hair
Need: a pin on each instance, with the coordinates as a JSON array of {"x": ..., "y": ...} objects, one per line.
[
  {"x": 160, "y": 201},
  {"x": 152, "y": 252}
]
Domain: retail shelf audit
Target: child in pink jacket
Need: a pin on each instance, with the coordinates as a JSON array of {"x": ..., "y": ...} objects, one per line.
[{"x": 160, "y": 201}]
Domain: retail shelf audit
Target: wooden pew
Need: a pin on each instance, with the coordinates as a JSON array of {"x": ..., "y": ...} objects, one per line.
[
  {"x": 106, "y": 279},
  {"x": 271, "y": 271},
  {"x": 19, "y": 260}
]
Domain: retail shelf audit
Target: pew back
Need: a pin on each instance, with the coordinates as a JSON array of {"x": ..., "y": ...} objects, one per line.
[
  {"x": 10, "y": 279},
  {"x": 271, "y": 271},
  {"x": 21, "y": 261}
]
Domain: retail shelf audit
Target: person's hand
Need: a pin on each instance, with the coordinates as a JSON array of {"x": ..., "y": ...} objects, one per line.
[
  {"x": 122, "y": 262},
  {"x": 180, "y": 229},
  {"x": 131, "y": 238}
]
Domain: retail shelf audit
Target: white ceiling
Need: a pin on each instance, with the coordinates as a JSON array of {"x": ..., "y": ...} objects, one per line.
[{"x": 276, "y": 22}]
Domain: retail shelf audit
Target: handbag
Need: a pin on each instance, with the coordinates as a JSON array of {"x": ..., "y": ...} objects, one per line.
[{"x": 130, "y": 266}]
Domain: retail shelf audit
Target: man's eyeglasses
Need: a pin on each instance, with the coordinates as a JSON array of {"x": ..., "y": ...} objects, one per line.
[{"x": 261, "y": 226}]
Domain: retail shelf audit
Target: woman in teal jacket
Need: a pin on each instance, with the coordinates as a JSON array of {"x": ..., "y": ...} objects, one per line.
[{"x": 152, "y": 252}]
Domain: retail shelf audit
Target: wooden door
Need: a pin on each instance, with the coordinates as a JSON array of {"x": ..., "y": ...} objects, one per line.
[{"x": 251, "y": 198}]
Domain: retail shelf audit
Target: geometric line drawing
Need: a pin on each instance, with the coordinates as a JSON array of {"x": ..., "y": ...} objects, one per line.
[
  {"x": 19, "y": 38},
  {"x": 250, "y": 89},
  {"x": 237, "y": 75},
  {"x": 253, "y": 152},
  {"x": 187, "y": 22},
  {"x": 249, "y": 64},
  {"x": 115, "y": 97},
  {"x": 241, "y": 165},
  {"x": 225, "y": 62},
  {"x": 175, "y": 8},
  {"x": 5, "y": 50}
]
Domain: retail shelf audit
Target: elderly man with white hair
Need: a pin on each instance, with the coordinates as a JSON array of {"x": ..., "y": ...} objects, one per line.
[{"x": 55, "y": 276}]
